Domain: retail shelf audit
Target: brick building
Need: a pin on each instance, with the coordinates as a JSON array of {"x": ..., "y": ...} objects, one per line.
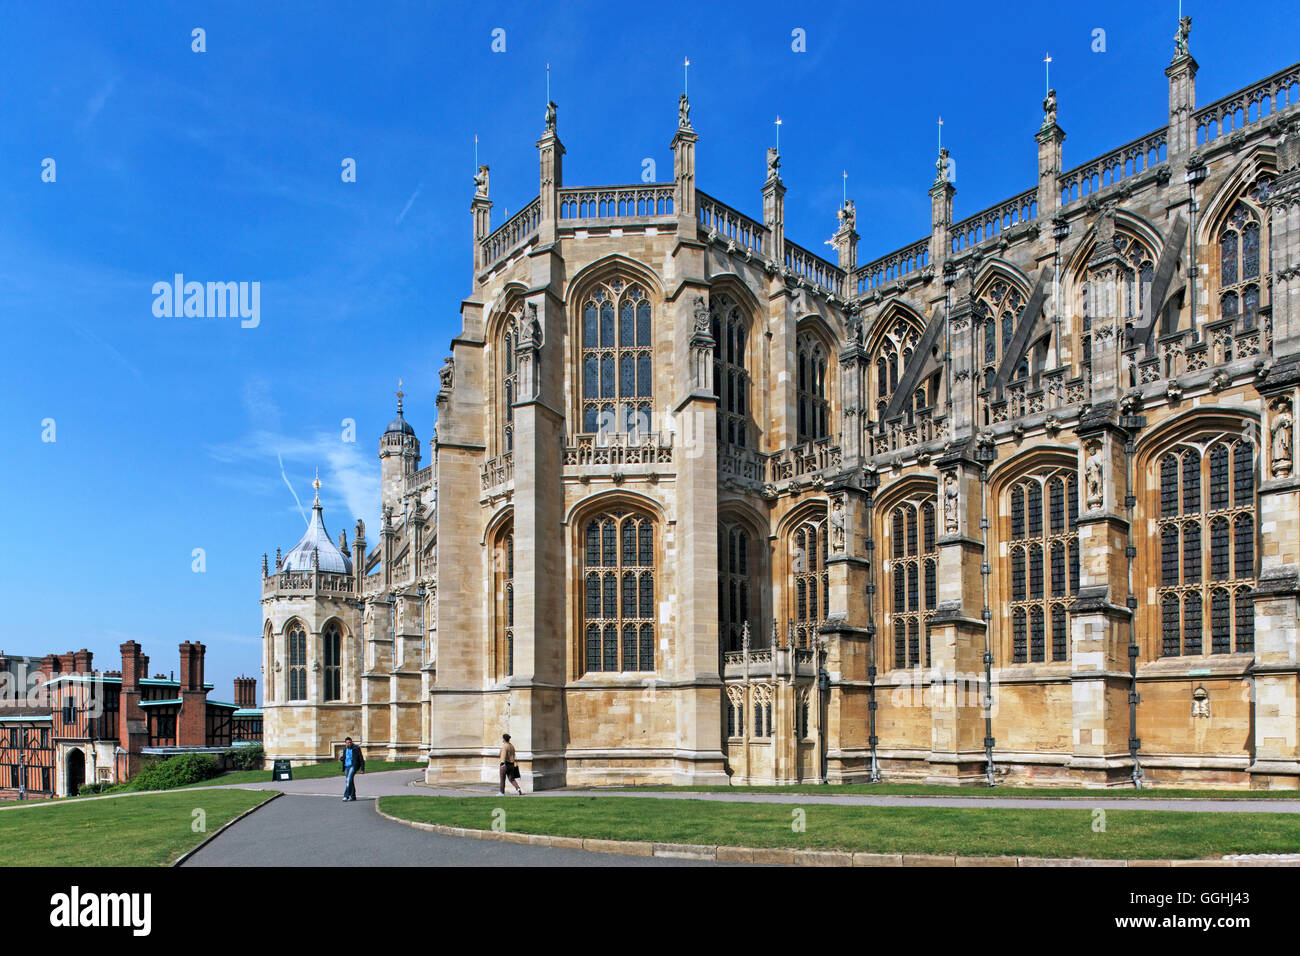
[{"x": 70, "y": 723}]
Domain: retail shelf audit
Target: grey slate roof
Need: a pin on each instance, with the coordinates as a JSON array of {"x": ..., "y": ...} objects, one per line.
[{"x": 316, "y": 539}]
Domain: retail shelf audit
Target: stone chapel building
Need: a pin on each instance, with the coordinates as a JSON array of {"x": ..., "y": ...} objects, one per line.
[{"x": 1016, "y": 502}]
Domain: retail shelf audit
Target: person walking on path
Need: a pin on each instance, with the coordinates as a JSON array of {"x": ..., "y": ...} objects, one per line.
[
  {"x": 353, "y": 763},
  {"x": 509, "y": 769}
]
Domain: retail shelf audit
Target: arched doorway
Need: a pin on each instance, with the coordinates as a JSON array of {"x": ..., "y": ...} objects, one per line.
[{"x": 76, "y": 771}]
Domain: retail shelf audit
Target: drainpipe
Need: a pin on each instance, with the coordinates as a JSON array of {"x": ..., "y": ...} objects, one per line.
[
  {"x": 985, "y": 453},
  {"x": 1131, "y": 423},
  {"x": 871, "y": 481}
]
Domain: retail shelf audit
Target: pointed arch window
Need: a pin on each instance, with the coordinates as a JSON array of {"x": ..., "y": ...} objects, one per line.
[
  {"x": 1135, "y": 273},
  {"x": 890, "y": 357},
  {"x": 509, "y": 379},
  {"x": 504, "y": 568},
  {"x": 1245, "y": 285},
  {"x": 1043, "y": 564},
  {"x": 810, "y": 588},
  {"x": 618, "y": 592},
  {"x": 297, "y": 639},
  {"x": 737, "y": 599},
  {"x": 332, "y": 646},
  {"x": 914, "y": 568},
  {"x": 1207, "y": 547},
  {"x": 617, "y": 360},
  {"x": 730, "y": 377},
  {"x": 998, "y": 308},
  {"x": 813, "y": 411}
]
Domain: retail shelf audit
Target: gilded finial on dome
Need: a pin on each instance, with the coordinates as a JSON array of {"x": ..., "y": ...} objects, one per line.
[
  {"x": 400, "y": 393},
  {"x": 316, "y": 484}
]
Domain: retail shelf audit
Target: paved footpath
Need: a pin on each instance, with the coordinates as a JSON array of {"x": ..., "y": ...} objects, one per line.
[{"x": 306, "y": 830}]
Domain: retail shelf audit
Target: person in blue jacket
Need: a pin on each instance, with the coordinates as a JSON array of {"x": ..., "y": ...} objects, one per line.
[{"x": 353, "y": 763}]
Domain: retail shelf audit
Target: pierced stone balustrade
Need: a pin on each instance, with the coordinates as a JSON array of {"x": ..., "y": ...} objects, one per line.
[{"x": 619, "y": 448}]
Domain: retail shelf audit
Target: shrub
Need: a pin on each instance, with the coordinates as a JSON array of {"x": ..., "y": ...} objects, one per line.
[
  {"x": 245, "y": 758},
  {"x": 175, "y": 771}
]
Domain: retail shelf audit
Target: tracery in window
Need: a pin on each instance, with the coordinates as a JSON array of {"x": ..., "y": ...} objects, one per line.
[
  {"x": 297, "y": 640},
  {"x": 617, "y": 360},
  {"x": 996, "y": 314},
  {"x": 1243, "y": 261},
  {"x": 1044, "y": 563},
  {"x": 730, "y": 377},
  {"x": 813, "y": 411},
  {"x": 618, "y": 592},
  {"x": 1207, "y": 562},
  {"x": 509, "y": 380},
  {"x": 809, "y": 581},
  {"x": 737, "y": 601},
  {"x": 332, "y": 645},
  {"x": 912, "y": 571}
]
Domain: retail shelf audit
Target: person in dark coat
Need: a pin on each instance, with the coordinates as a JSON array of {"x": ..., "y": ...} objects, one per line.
[{"x": 353, "y": 763}]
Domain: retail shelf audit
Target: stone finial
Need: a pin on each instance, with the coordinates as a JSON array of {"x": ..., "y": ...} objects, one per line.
[
  {"x": 744, "y": 637},
  {"x": 279, "y": 561},
  {"x": 550, "y": 116},
  {"x": 265, "y": 570},
  {"x": 684, "y": 112}
]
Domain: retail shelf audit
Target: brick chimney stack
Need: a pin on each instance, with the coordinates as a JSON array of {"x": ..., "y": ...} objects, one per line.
[
  {"x": 81, "y": 661},
  {"x": 191, "y": 666},
  {"x": 133, "y": 729},
  {"x": 192, "y": 723},
  {"x": 246, "y": 693}
]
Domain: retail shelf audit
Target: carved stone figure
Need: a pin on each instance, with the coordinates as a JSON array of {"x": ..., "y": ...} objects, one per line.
[
  {"x": 532, "y": 337},
  {"x": 550, "y": 117},
  {"x": 1092, "y": 476},
  {"x": 951, "y": 522},
  {"x": 701, "y": 316},
  {"x": 941, "y": 165},
  {"x": 1180, "y": 38},
  {"x": 481, "y": 183},
  {"x": 1049, "y": 109},
  {"x": 773, "y": 162},
  {"x": 848, "y": 216},
  {"x": 446, "y": 374},
  {"x": 1281, "y": 444},
  {"x": 837, "y": 523},
  {"x": 855, "y": 328},
  {"x": 684, "y": 112}
]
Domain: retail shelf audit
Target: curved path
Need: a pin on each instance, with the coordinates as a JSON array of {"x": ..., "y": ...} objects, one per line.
[{"x": 308, "y": 830}]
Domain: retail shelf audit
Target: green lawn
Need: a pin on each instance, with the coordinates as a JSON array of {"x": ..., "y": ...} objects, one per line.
[
  {"x": 1007, "y": 791},
  {"x": 1129, "y": 834},
  {"x": 315, "y": 771},
  {"x": 149, "y": 830}
]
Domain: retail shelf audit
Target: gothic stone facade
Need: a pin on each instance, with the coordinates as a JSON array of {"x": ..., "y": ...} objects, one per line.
[{"x": 1016, "y": 501}]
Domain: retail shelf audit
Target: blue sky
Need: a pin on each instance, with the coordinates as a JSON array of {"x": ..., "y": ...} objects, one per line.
[{"x": 225, "y": 166}]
